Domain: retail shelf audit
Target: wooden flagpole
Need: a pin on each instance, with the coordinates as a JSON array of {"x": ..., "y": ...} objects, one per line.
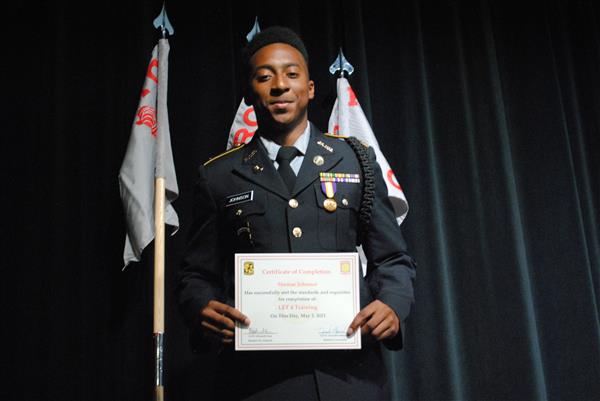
[{"x": 159, "y": 283}]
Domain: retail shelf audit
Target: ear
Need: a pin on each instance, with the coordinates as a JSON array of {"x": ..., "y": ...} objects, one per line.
[{"x": 311, "y": 89}]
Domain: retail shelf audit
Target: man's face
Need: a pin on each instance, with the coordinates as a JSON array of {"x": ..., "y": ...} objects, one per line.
[{"x": 280, "y": 85}]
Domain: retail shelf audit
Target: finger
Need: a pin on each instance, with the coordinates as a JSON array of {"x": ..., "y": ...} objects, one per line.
[
  {"x": 389, "y": 333},
  {"x": 219, "y": 318},
  {"x": 225, "y": 333},
  {"x": 379, "y": 322},
  {"x": 230, "y": 312},
  {"x": 211, "y": 327},
  {"x": 360, "y": 319},
  {"x": 377, "y": 317},
  {"x": 389, "y": 322}
]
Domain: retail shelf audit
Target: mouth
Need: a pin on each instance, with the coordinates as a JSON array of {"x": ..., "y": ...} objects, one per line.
[{"x": 280, "y": 104}]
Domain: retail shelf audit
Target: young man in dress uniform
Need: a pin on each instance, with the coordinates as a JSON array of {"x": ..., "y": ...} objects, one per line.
[{"x": 270, "y": 196}]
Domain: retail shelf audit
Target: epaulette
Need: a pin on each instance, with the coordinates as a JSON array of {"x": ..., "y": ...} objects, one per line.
[
  {"x": 212, "y": 159},
  {"x": 338, "y": 136},
  {"x": 332, "y": 135}
]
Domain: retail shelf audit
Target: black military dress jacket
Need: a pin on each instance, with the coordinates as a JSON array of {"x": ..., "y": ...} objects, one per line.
[{"x": 275, "y": 220}]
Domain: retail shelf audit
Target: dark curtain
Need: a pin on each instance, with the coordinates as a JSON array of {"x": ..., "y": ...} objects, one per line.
[{"x": 488, "y": 111}]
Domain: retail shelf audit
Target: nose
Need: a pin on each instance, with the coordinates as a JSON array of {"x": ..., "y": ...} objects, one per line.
[{"x": 280, "y": 85}]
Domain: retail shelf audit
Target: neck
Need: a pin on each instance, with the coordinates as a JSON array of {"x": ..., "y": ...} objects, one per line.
[
  {"x": 288, "y": 136},
  {"x": 294, "y": 134}
]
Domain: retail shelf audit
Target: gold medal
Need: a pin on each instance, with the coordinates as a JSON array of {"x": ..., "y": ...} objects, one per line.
[{"x": 330, "y": 205}]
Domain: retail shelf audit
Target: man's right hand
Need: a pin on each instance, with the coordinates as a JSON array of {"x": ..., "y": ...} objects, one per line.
[{"x": 219, "y": 319}]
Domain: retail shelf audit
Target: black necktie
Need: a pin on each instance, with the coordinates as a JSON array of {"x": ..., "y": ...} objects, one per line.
[{"x": 285, "y": 155}]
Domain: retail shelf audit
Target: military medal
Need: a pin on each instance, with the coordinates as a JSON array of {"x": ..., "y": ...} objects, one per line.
[
  {"x": 330, "y": 205},
  {"x": 329, "y": 189}
]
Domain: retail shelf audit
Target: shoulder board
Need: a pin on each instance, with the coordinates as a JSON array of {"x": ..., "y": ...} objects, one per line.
[
  {"x": 338, "y": 136},
  {"x": 212, "y": 159}
]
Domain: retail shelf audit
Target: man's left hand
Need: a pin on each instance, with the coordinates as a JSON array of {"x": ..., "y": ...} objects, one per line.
[{"x": 378, "y": 319}]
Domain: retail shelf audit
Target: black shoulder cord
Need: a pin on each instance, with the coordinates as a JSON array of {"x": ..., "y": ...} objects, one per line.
[{"x": 368, "y": 195}]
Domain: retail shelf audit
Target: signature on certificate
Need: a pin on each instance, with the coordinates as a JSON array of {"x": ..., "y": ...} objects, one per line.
[
  {"x": 332, "y": 331},
  {"x": 253, "y": 331}
]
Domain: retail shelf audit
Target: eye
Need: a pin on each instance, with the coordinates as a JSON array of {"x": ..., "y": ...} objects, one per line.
[
  {"x": 293, "y": 74},
  {"x": 262, "y": 77}
]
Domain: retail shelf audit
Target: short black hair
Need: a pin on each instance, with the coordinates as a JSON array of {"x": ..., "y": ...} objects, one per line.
[{"x": 273, "y": 34}]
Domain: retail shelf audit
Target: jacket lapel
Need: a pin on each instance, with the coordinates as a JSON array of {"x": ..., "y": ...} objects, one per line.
[
  {"x": 318, "y": 147},
  {"x": 258, "y": 168}
]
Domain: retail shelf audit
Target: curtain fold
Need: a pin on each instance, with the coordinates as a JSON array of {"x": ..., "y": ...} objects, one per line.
[{"x": 488, "y": 112}]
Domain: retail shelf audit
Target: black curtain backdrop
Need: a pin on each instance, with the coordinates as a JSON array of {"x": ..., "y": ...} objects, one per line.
[{"x": 488, "y": 111}]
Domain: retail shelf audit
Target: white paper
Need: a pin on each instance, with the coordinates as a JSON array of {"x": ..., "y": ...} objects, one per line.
[{"x": 297, "y": 300}]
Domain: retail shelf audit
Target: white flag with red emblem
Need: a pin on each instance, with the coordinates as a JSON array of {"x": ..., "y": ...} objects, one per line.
[
  {"x": 148, "y": 156},
  {"x": 348, "y": 119},
  {"x": 243, "y": 127}
]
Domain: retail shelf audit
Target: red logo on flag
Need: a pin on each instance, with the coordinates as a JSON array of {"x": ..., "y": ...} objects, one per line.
[
  {"x": 147, "y": 116},
  {"x": 242, "y": 136},
  {"x": 150, "y": 73},
  {"x": 353, "y": 100},
  {"x": 247, "y": 120},
  {"x": 392, "y": 179}
]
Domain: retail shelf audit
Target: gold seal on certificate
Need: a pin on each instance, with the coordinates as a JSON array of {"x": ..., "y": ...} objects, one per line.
[{"x": 297, "y": 301}]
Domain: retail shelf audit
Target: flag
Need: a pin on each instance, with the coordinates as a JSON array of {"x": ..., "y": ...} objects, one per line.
[
  {"x": 244, "y": 123},
  {"x": 148, "y": 156},
  {"x": 243, "y": 127},
  {"x": 347, "y": 118}
]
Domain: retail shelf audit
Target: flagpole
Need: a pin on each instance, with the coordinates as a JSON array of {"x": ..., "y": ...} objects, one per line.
[
  {"x": 159, "y": 283},
  {"x": 162, "y": 23}
]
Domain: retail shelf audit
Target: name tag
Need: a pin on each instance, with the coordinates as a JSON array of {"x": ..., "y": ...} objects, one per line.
[{"x": 239, "y": 198}]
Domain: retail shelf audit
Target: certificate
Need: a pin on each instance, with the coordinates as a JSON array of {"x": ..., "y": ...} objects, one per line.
[{"x": 296, "y": 301}]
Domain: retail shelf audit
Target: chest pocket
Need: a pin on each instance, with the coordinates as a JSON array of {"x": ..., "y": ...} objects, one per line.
[
  {"x": 247, "y": 225},
  {"x": 338, "y": 229}
]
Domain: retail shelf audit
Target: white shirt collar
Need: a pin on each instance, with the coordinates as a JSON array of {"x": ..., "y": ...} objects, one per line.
[{"x": 301, "y": 144}]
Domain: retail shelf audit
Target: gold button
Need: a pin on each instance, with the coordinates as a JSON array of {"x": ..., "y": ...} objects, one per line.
[
  {"x": 238, "y": 212},
  {"x": 297, "y": 231},
  {"x": 345, "y": 202},
  {"x": 293, "y": 203},
  {"x": 318, "y": 160}
]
